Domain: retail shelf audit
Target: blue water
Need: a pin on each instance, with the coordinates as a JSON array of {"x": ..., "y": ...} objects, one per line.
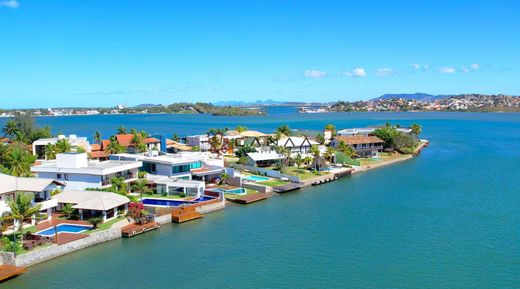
[
  {"x": 174, "y": 203},
  {"x": 449, "y": 218},
  {"x": 237, "y": 191},
  {"x": 256, "y": 178},
  {"x": 68, "y": 228}
]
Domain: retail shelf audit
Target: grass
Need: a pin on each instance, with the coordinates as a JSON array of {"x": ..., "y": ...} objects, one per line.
[
  {"x": 106, "y": 225},
  {"x": 304, "y": 174},
  {"x": 384, "y": 157},
  {"x": 272, "y": 183},
  {"x": 249, "y": 192}
]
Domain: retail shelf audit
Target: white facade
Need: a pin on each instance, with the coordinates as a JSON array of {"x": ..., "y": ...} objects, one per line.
[
  {"x": 78, "y": 173},
  {"x": 38, "y": 146},
  {"x": 201, "y": 141}
]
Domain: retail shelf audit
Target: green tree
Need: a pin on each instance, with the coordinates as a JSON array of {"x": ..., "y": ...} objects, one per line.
[
  {"x": 331, "y": 128},
  {"x": 121, "y": 130},
  {"x": 244, "y": 150},
  {"x": 118, "y": 185},
  {"x": 63, "y": 146},
  {"x": 22, "y": 209},
  {"x": 50, "y": 151},
  {"x": 387, "y": 134},
  {"x": 97, "y": 137},
  {"x": 240, "y": 128},
  {"x": 284, "y": 129},
  {"x": 416, "y": 129},
  {"x": 10, "y": 129},
  {"x": 67, "y": 210},
  {"x": 329, "y": 154},
  {"x": 95, "y": 221},
  {"x": 320, "y": 138},
  {"x": 141, "y": 186},
  {"x": 114, "y": 147},
  {"x": 223, "y": 178},
  {"x": 298, "y": 160},
  {"x": 138, "y": 142},
  {"x": 19, "y": 162},
  {"x": 315, "y": 152}
]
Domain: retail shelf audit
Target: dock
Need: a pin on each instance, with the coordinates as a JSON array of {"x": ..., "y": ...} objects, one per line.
[
  {"x": 251, "y": 198},
  {"x": 135, "y": 229},
  {"x": 287, "y": 188},
  {"x": 8, "y": 272},
  {"x": 184, "y": 214}
]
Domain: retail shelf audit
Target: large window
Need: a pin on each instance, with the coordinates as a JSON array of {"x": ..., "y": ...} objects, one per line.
[
  {"x": 149, "y": 168},
  {"x": 196, "y": 165},
  {"x": 180, "y": 169}
]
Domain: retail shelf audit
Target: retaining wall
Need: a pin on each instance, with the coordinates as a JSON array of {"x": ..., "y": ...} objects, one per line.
[
  {"x": 215, "y": 206},
  {"x": 253, "y": 186},
  {"x": 47, "y": 253},
  {"x": 164, "y": 219},
  {"x": 267, "y": 172}
]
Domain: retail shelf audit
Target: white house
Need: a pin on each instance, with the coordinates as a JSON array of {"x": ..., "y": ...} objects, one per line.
[
  {"x": 174, "y": 186},
  {"x": 297, "y": 145},
  {"x": 79, "y": 173},
  {"x": 105, "y": 205},
  {"x": 38, "y": 146},
  {"x": 201, "y": 141},
  {"x": 264, "y": 158},
  {"x": 41, "y": 188}
]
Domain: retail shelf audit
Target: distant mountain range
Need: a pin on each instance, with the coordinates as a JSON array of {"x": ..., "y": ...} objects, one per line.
[
  {"x": 245, "y": 103},
  {"x": 417, "y": 96}
]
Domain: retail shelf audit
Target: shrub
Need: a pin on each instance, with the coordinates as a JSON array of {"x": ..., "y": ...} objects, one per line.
[{"x": 95, "y": 221}]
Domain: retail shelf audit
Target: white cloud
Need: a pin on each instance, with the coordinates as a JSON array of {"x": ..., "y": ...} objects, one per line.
[
  {"x": 447, "y": 69},
  {"x": 415, "y": 66},
  {"x": 10, "y": 3},
  {"x": 474, "y": 66},
  {"x": 384, "y": 71},
  {"x": 357, "y": 72},
  {"x": 315, "y": 73},
  {"x": 471, "y": 68}
]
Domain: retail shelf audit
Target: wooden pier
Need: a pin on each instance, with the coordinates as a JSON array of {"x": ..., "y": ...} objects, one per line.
[
  {"x": 135, "y": 229},
  {"x": 251, "y": 198},
  {"x": 8, "y": 272},
  {"x": 287, "y": 188}
]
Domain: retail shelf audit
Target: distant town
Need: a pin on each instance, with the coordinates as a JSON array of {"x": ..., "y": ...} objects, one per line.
[{"x": 390, "y": 102}]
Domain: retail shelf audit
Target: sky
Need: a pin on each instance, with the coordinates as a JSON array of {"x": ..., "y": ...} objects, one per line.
[{"x": 60, "y": 53}]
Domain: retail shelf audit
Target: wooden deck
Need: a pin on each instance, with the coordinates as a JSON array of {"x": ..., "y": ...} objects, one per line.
[
  {"x": 135, "y": 229},
  {"x": 287, "y": 188},
  {"x": 64, "y": 237},
  {"x": 8, "y": 271},
  {"x": 250, "y": 199},
  {"x": 184, "y": 214}
]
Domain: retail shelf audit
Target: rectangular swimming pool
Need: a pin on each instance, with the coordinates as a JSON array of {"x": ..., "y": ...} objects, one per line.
[
  {"x": 174, "y": 203},
  {"x": 61, "y": 228},
  {"x": 256, "y": 178}
]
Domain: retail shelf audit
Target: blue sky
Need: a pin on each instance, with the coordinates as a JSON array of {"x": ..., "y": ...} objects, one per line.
[{"x": 101, "y": 53}]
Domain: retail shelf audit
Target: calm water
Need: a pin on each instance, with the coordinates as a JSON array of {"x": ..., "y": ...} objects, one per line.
[{"x": 447, "y": 219}]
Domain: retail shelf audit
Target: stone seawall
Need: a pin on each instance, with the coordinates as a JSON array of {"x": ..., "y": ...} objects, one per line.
[
  {"x": 211, "y": 207},
  {"x": 47, "y": 253},
  {"x": 164, "y": 219}
]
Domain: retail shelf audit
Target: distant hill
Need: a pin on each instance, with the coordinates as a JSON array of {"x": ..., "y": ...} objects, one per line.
[
  {"x": 147, "y": 105},
  {"x": 417, "y": 96},
  {"x": 245, "y": 103}
]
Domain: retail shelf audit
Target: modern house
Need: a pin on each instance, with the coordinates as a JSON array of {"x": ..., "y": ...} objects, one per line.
[
  {"x": 41, "y": 188},
  {"x": 365, "y": 146},
  {"x": 171, "y": 165},
  {"x": 264, "y": 158},
  {"x": 89, "y": 204},
  {"x": 297, "y": 145},
  {"x": 174, "y": 186},
  {"x": 201, "y": 141},
  {"x": 38, "y": 146},
  {"x": 78, "y": 173}
]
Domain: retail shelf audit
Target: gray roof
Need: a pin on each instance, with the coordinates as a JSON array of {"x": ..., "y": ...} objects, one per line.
[
  {"x": 91, "y": 200},
  {"x": 9, "y": 184}
]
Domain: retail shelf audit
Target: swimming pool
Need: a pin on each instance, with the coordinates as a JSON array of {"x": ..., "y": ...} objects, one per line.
[
  {"x": 256, "y": 178},
  {"x": 64, "y": 228},
  {"x": 236, "y": 191},
  {"x": 174, "y": 203}
]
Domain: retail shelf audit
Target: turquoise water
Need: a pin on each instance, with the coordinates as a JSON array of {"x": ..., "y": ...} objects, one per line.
[
  {"x": 68, "y": 228},
  {"x": 449, "y": 218},
  {"x": 256, "y": 178}
]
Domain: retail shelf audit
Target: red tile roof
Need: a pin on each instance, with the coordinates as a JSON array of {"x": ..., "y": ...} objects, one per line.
[{"x": 126, "y": 140}]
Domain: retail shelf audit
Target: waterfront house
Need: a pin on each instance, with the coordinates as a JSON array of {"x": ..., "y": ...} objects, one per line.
[
  {"x": 38, "y": 146},
  {"x": 78, "y": 173},
  {"x": 175, "y": 186},
  {"x": 297, "y": 145},
  {"x": 98, "y": 151},
  {"x": 41, "y": 188},
  {"x": 201, "y": 141},
  {"x": 89, "y": 204},
  {"x": 264, "y": 158},
  {"x": 365, "y": 146},
  {"x": 175, "y": 146},
  {"x": 126, "y": 141}
]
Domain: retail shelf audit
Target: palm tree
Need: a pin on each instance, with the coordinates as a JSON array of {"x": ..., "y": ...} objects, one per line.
[
  {"x": 223, "y": 178},
  {"x": 284, "y": 129},
  {"x": 140, "y": 186},
  {"x": 4, "y": 150},
  {"x": 307, "y": 161},
  {"x": 332, "y": 128},
  {"x": 175, "y": 137},
  {"x": 63, "y": 146},
  {"x": 10, "y": 128},
  {"x": 298, "y": 160},
  {"x": 216, "y": 144},
  {"x": 329, "y": 154},
  {"x": 114, "y": 147},
  {"x": 97, "y": 137},
  {"x": 50, "y": 151},
  {"x": 133, "y": 131},
  {"x": 315, "y": 151},
  {"x": 121, "y": 130},
  {"x": 138, "y": 142},
  {"x": 416, "y": 129},
  {"x": 118, "y": 184},
  {"x": 240, "y": 128},
  {"x": 19, "y": 162},
  {"x": 22, "y": 209},
  {"x": 67, "y": 210}
]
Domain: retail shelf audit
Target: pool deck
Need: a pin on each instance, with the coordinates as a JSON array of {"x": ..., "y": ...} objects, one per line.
[
  {"x": 54, "y": 221},
  {"x": 64, "y": 237},
  {"x": 7, "y": 272},
  {"x": 251, "y": 198}
]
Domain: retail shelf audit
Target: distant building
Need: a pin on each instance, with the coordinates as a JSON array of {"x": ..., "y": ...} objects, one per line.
[
  {"x": 297, "y": 145},
  {"x": 78, "y": 173}
]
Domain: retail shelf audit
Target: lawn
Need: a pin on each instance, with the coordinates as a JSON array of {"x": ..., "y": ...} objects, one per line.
[
  {"x": 106, "y": 225},
  {"x": 304, "y": 174},
  {"x": 384, "y": 157},
  {"x": 272, "y": 183}
]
